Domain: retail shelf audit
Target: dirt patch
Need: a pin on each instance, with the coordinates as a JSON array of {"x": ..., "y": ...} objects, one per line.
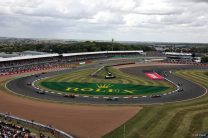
[{"x": 81, "y": 121}]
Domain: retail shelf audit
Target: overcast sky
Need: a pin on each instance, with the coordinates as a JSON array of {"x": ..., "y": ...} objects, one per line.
[{"x": 126, "y": 20}]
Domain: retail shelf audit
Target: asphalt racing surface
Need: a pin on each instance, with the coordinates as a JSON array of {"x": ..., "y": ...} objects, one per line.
[{"x": 190, "y": 89}]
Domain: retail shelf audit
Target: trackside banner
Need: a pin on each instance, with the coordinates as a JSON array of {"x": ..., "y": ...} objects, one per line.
[
  {"x": 154, "y": 76},
  {"x": 102, "y": 88}
]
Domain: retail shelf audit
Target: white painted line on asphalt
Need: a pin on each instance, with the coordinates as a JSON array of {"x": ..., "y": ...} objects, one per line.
[
  {"x": 178, "y": 87},
  {"x": 96, "y": 97},
  {"x": 105, "y": 97},
  {"x": 187, "y": 100},
  {"x": 85, "y": 96},
  {"x": 125, "y": 97},
  {"x": 135, "y": 97},
  {"x": 144, "y": 96},
  {"x": 77, "y": 95}
]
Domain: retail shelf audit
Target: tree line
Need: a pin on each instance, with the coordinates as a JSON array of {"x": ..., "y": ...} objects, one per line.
[
  {"x": 204, "y": 59},
  {"x": 74, "y": 47}
]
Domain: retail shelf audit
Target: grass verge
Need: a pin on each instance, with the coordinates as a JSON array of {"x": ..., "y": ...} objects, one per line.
[{"x": 179, "y": 120}]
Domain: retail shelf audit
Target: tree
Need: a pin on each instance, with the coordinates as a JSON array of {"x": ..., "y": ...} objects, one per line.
[{"x": 204, "y": 59}]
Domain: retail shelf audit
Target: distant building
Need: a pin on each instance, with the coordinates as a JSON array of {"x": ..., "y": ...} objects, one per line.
[
  {"x": 31, "y": 53},
  {"x": 161, "y": 48},
  {"x": 5, "y": 55},
  {"x": 173, "y": 56},
  {"x": 20, "y": 54},
  {"x": 25, "y": 55}
]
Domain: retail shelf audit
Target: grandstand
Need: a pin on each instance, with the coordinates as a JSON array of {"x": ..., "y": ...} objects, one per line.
[
  {"x": 99, "y": 55},
  {"x": 8, "y": 130},
  {"x": 19, "y": 64},
  {"x": 173, "y": 56},
  {"x": 25, "y": 63},
  {"x": 15, "y": 127}
]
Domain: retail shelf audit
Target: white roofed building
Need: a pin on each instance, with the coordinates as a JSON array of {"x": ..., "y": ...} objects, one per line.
[
  {"x": 26, "y": 53},
  {"x": 178, "y": 56}
]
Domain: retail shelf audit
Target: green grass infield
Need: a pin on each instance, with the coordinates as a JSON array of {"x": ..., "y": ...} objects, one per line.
[
  {"x": 81, "y": 82},
  {"x": 102, "y": 88}
]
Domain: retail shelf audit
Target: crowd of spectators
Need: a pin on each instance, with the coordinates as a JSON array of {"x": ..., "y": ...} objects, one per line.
[
  {"x": 18, "y": 66},
  {"x": 11, "y": 67},
  {"x": 25, "y": 68},
  {"x": 9, "y": 130},
  {"x": 16, "y": 63},
  {"x": 13, "y": 131},
  {"x": 14, "y": 127}
]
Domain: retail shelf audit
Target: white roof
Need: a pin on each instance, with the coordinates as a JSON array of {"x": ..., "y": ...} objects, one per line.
[
  {"x": 101, "y": 52},
  {"x": 65, "y": 55},
  {"x": 177, "y": 54},
  {"x": 33, "y": 53},
  {"x": 28, "y": 57}
]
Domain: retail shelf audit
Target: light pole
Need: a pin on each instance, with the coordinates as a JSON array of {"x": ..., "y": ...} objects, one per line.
[{"x": 112, "y": 43}]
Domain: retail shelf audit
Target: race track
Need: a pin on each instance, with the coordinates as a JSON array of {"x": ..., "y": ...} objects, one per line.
[{"x": 190, "y": 89}]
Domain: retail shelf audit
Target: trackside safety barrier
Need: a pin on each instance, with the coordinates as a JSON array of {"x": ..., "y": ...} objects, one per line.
[
  {"x": 188, "y": 63},
  {"x": 40, "y": 127}
]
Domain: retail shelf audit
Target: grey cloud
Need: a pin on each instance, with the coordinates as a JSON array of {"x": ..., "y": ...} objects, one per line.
[{"x": 72, "y": 18}]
